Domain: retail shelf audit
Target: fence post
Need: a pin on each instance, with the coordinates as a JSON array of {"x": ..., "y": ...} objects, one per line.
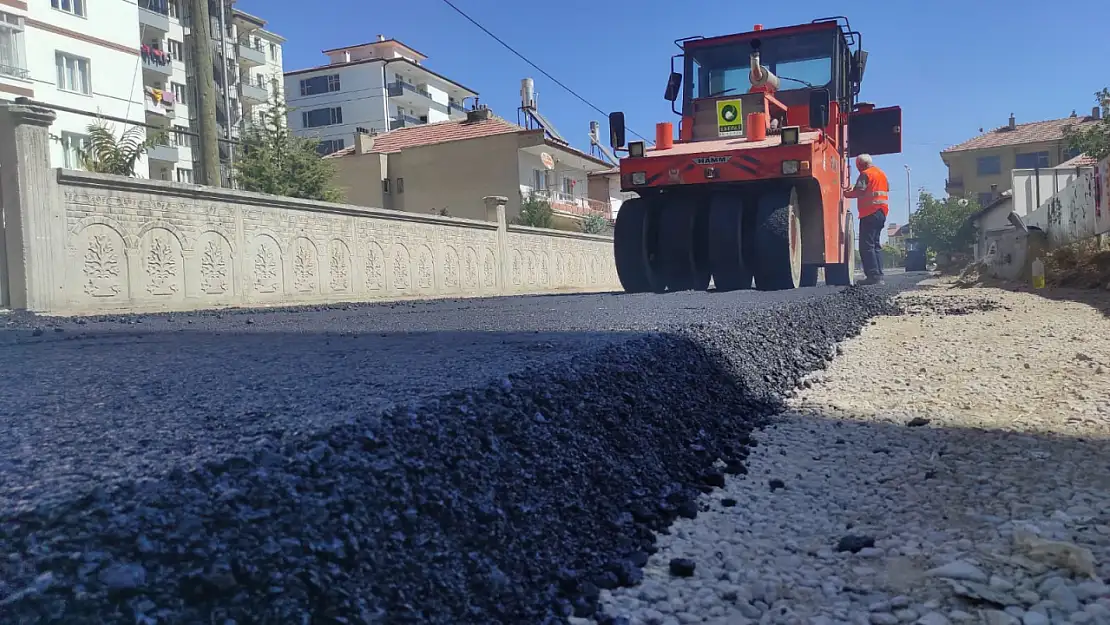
[
  {"x": 495, "y": 211},
  {"x": 34, "y": 215}
]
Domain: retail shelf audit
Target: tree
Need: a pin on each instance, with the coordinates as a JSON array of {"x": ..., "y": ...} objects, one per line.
[
  {"x": 273, "y": 160},
  {"x": 894, "y": 256},
  {"x": 536, "y": 212},
  {"x": 103, "y": 153},
  {"x": 942, "y": 225},
  {"x": 594, "y": 223},
  {"x": 1093, "y": 140}
]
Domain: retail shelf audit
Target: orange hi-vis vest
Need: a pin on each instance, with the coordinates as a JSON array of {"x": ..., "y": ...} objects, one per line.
[{"x": 876, "y": 197}]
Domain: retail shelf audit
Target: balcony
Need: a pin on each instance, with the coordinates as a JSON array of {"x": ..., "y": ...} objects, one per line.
[
  {"x": 404, "y": 121},
  {"x": 19, "y": 73},
  {"x": 163, "y": 153},
  {"x": 249, "y": 55},
  {"x": 954, "y": 185},
  {"x": 457, "y": 110},
  {"x": 253, "y": 94},
  {"x": 568, "y": 204},
  {"x": 157, "y": 62},
  {"x": 411, "y": 95},
  {"x": 155, "y": 14},
  {"x": 159, "y": 108}
]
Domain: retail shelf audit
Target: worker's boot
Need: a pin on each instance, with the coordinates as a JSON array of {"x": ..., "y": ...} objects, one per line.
[{"x": 873, "y": 280}]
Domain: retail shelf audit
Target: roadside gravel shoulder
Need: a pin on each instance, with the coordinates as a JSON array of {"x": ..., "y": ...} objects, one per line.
[{"x": 949, "y": 466}]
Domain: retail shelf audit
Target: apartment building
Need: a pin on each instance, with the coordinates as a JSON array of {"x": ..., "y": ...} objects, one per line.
[
  {"x": 981, "y": 167},
  {"x": 131, "y": 62},
  {"x": 374, "y": 87},
  {"x": 67, "y": 53}
]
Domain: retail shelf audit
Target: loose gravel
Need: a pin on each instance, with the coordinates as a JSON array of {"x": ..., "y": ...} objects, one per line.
[
  {"x": 949, "y": 467},
  {"x": 292, "y": 489}
]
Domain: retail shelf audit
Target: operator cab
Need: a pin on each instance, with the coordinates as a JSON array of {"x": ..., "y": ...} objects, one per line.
[{"x": 816, "y": 72}]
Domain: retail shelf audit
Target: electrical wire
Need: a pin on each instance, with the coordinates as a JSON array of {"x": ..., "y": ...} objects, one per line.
[{"x": 536, "y": 67}]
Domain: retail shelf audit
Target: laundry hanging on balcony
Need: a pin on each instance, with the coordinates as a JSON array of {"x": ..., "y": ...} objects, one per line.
[{"x": 154, "y": 55}]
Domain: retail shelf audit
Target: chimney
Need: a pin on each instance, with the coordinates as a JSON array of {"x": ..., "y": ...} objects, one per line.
[
  {"x": 364, "y": 142},
  {"x": 478, "y": 115},
  {"x": 346, "y": 56},
  {"x": 381, "y": 37},
  {"x": 1073, "y": 113},
  {"x": 1013, "y": 122},
  {"x": 1096, "y": 112}
]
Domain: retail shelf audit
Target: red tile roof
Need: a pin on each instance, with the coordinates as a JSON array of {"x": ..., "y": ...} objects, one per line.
[
  {"x": 431, "y": 134},
  {"x": 1032, "y": 132},
  {"x": 1079, "y": 161}
]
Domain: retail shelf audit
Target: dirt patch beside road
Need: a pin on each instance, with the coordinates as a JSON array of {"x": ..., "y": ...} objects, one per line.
[{"x": 949, "y": 466}]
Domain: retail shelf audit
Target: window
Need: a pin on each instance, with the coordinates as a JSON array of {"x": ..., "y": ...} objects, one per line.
[
  {"x": 185, "y": 175},
  {"x": 1031, "y": 160},
  {"x": 273, "y": 51},
  {"x": 799, "y": 60},
  {"x": 12, "y": 59},
  {"x": 322, "y": 117},
  {"x": 539, "y": 179},
  {"x": 1070, "y": 153},
  {"x": 76, "y": 7},
  {"x": 178, "y": 136},
  {"x": 988, "y": 165},
  {"x": 73, "y": 73},
  {"x": 320, "y": 84},
  {"x": 175, "y": 49},
  {"x": 174, "y": 9},
  {"x": 327, "y": 146},
  {"x": 72, "y": 144},
  {"x": 178, "y": 90},
  {"x": 385, "y": 185},
  {"x": 985, "y": 198},
  {"x": 568, "y": 186},
  {"x": 400, "y": 185}
]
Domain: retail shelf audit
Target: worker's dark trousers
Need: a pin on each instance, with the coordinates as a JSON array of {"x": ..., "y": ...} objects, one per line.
[{"x": 870, "y": 251}]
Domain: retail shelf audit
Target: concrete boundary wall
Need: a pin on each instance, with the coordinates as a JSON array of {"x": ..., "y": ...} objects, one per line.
[{"x": 83, "y": 243}]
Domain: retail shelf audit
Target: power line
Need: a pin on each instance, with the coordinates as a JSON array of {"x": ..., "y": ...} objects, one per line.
[{"x": 536, "y": 67}]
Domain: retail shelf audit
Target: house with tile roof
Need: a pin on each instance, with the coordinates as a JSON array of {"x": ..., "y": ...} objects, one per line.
[
  {"x": 981, "y": 167},
  {"x": 448, "y": 167}
]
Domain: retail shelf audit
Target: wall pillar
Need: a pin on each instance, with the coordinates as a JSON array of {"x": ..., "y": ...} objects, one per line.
[
  {"x": 495, "y": 211},
  {"x": 33, "y": 211}
]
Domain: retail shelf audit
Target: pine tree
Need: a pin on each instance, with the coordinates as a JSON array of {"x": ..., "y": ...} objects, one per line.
[{"x": 273, "y": 160}]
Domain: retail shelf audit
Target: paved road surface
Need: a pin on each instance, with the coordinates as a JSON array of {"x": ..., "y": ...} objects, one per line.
[{"x": 129, "y": 396}]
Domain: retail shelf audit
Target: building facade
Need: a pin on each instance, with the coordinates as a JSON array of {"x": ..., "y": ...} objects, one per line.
[
  {"x": 448, "y": 167},
  {"x": 130, "y": 63},
  {"x": 981, "y": 167},
  {"x": 376, "y": 87}
]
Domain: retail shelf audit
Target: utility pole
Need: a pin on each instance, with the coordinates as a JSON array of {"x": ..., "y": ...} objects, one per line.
[
  {"x": 206, "y": 96},
  {"x": 909, "y": 203}
]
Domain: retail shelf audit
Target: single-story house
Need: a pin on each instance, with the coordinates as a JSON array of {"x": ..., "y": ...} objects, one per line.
[{"x": 448, "y": 167}]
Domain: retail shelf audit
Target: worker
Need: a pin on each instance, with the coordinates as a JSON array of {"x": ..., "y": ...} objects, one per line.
[{"x": 872, "y": 195}]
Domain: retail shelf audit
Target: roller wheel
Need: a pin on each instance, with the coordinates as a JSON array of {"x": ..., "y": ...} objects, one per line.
[
  {"x": 778, "y": 246},
  {"x": 726, "y": 243},
  {"x": 682, "y": 234},
  {"x": 844, "y": 274},
  {"x": 631, "y": 250}
]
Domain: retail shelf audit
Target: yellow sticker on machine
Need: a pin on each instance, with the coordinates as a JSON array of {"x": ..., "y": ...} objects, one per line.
[{"x": 730, "y": 118}]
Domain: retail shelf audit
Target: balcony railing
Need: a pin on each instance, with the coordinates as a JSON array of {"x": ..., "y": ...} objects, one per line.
[
  {"x": 454, "y": 107},
  {"x": 15, "y": 72},
  {"x": 954, "y": 183},
  {"x": 404, "y": 121},
  {"x": 156, "y": 6},
  {"x": 571, "y": 204},
  {"x": 398, "y": 88}
]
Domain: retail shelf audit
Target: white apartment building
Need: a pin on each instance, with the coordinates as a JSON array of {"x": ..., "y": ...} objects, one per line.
[
  {"x": 377, "y": 86},
  {"x": 83, "y": 55}
]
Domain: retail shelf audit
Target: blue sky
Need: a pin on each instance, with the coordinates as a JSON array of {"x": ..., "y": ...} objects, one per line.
[{"x": 953, "y": 66}]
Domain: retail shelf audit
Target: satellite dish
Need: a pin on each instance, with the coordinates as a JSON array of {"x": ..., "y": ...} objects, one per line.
[
  {"x": 962, "y": 201},
  {"x": 547, "y": 161}
]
